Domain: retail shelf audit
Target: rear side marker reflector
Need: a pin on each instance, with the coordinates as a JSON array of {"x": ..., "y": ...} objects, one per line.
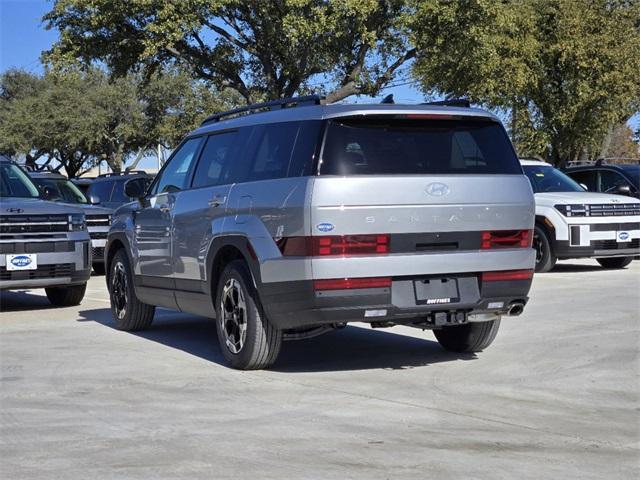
[
  {"x": 506, "y": 275},
  {"x": 352, "y": 283}
]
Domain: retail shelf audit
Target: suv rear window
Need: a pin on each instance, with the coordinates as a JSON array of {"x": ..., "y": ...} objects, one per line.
[{"x": 417, "y": 146}]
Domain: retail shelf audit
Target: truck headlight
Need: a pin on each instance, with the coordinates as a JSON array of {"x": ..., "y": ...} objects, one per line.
[
  {"x": 574, "y": 210},
  {"x": 77, "y": 222}
]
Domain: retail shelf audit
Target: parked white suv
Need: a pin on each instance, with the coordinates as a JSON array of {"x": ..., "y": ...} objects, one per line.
[{"x": 574, "y": 223}]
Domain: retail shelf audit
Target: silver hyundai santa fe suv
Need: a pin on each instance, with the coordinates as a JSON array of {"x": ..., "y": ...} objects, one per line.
[{"x": 291, "y": 218}]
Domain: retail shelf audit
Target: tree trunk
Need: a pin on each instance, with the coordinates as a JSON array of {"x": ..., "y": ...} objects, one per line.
[{"x": 606, "y": 142}]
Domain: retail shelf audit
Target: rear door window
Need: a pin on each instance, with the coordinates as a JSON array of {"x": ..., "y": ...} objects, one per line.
[
  {"x": 386, "y": 146},
  {"x": 273, "y": 153}
]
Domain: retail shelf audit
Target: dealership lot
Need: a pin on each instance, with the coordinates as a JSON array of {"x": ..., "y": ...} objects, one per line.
[{"x": 556, "y": 395}]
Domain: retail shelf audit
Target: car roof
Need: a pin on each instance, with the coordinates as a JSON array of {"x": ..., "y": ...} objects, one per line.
[
  {"x": 4, "y": 159},
  {"x": 536, "y": 163},
  {"x": 337, "y": 110},
  {"x": 51, "y": 175},
  {"x": 119, "y": 177}
]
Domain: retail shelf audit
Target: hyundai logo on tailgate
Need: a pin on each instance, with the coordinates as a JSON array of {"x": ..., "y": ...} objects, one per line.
[
  {"x": 21, "y": 261},
  {"x": 437, "y": 189}
]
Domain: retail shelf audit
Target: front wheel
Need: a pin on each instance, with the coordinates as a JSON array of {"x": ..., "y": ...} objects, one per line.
[
  {"x": 129, "y": 313},
  {"x": 471, "y": 337},
  {"x": 617, "y": 262},
  {"x": 66, "y": 296},
  {"x": 247, "y": 339},
  {"x": 545, "y": 258}
]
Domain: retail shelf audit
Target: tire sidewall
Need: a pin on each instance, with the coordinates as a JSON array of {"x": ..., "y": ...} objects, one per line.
[
  {"x": 121, "y": 257},
  {"x": 547, "y": 262},
  {"x": 238, "y": 271}
]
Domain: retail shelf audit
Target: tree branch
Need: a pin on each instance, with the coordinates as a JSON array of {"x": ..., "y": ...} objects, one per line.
[{"x": 350, "y": 86}]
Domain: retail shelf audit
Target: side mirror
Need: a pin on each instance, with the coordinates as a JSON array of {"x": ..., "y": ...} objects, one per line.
[
  {"x": 94, "y": 199},
  {"x": 50, "y": 193},
  {"x": 584, "y": 186},
  {"x": 136, "y": 188},
  {"x": 624, "y": 190}
]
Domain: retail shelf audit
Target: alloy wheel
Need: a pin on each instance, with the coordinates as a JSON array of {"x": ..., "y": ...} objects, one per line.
[
  {"x": 119, "y": 290},
  {"x": 233, "y": 320}
]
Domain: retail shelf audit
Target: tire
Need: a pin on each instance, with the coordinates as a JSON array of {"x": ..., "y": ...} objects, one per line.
[
  {"x": 66, "y": 296},
  {"x": 129, "y": 313},
  {"x": 247, "y": 339},
  {"x": 99, "y": 268},
  {"x": 471, "y": 337},
  {"x": 545, "y": 258},
  {"x": 617, "y": 262}
]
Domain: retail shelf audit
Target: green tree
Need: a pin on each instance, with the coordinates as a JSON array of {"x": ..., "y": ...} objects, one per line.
[
  {"x": 14, "y": 86},
  {"x": 260, "y": 49},
  {"x": 52, "y": 117},
  {"x": 622, "y": 144},
  {"x": 571, "y": 65},
  {"x": 80, "y": 118}
]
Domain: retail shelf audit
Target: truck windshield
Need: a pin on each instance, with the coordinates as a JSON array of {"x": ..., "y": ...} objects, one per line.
[
  {"x": 15, "y": 183},
  {"x": 546, "y": 179},
  {"x": 63, "y": 188},
  {"x": 402, "y": 146}
]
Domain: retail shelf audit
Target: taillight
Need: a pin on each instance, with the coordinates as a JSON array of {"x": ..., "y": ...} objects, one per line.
[
  {"x": 352, "y": 283},
  {"x": 506, "y": 275},
  {"x": 334, "y": 245},
  {"x": 506, "y": 239},
  {"x": 344, "y": 245}
]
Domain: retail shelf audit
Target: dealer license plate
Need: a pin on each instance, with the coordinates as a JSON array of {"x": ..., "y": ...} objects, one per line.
[{"x": 22, "y": 261}]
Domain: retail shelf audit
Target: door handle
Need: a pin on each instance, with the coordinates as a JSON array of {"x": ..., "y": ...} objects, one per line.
[
  {"x": 217, "y": 201},
  {"x": 165, "y": 209}
]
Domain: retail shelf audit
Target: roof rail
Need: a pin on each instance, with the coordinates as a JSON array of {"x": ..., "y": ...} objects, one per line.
[
  {"x": 117, "y": 174},
  {"x": 454, "y": 102},
  {"x": 272, "y": 105}
]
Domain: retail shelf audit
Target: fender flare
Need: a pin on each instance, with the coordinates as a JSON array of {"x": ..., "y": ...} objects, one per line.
[{"x": 241, "y": 243}]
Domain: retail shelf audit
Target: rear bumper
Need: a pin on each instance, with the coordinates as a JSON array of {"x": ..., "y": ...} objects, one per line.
[{"x": 296, "y": 304}]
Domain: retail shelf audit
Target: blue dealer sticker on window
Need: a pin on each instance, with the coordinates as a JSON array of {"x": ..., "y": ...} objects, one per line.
[{"x": 325, "y": 227}]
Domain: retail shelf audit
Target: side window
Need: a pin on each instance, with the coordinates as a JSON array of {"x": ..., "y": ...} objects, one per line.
[
  {"x": 218, "y": 154},
  {"x": 302, "y": 161},
  {"x": 273, "y": 153},
  {"x": 610, "y": 181},
  {"x": 175, "y": 174},
  {"x": 102, "y": 190},
  {"x": 587, "y": 178}
]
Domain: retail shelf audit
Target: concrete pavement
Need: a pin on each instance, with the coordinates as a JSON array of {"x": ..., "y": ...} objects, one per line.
[{"x": 556, "y": 396}]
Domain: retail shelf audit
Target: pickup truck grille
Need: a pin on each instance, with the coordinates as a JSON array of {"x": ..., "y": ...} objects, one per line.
[
  {"x": 614, "y": 209},
  {"x": 36, "y": 247},
  {"x": 20, "y": 224},
  {"x": 98, "y": 220},
  {"x": 43, "y": 271}
]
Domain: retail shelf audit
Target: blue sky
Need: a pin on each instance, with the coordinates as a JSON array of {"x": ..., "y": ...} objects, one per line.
[{"x": 23, "y": 38}]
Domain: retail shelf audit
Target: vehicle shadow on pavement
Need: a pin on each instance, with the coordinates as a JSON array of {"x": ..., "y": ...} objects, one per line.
[
  {"x": 575, "y": 268},
  {"x": 352, "y": 348},
  {"x": 17, "y": 300}
]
